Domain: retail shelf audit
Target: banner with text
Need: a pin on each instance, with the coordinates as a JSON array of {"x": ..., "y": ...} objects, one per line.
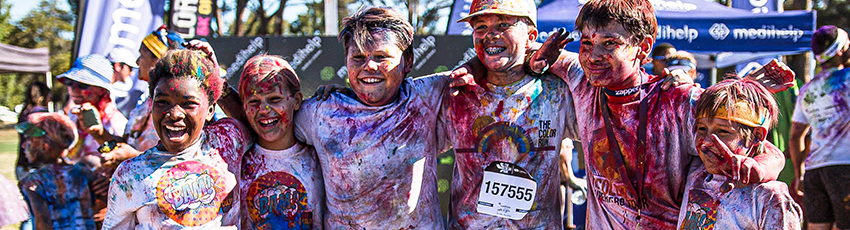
[
  {"x": 191, "y": 18},
  {"x": 118, "y": 27}
]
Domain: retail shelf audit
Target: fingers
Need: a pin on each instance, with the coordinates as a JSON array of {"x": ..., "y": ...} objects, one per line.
[
  {"x": 100, "y": 186},
  {"x": 326, "y": 94},
  {"x": 667, "y": 82},
  {"x": 725, "y": 154}
]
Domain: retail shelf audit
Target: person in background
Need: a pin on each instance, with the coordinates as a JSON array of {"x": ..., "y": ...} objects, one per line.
[
  {"x": 684, "y": 61},
  {"x": 126, "y": 90},
  {"x": 89, "y": 86},
  {"x": 822, "y": 108},
  {"x": 58, "y": 192},
  {"x": 732, "y": 121},
  {"x": 35, "y": 100},
  {"x": 659, "y": 57}
]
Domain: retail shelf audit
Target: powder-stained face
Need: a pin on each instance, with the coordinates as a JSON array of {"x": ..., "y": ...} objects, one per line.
[
  {"x": 180, "y": 108},
  {"x": 92, "y": 94},
  {"x": 729, "y": 134},
  {"x": 609, "y": 59},
  {"x": 146, "y": 63},
  {"x": 35, "y": 149},
  {"x": 501, "y": 41},
  {"x": 270, "y": 108},
  {"x": 376, "y": 73}
]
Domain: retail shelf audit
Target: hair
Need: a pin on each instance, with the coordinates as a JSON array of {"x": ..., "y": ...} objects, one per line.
[
  {"x": 727, "y": 92},
  {"x": 189, "y": 64},
  {"x": 663, "y": 47},
  {"x": 358, "y": 28},
  {"x": 59, "y": 128},
  {"x": 823, "y": 38},
  {"x": 37, "y": 89},
  {"x": 682, "y": 55},
  {"x": 263, "y": 67},
  {"x": 636, "y": 16}
]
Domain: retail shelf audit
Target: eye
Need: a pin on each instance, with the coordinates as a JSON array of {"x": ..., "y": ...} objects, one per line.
[
  {"x": 504, "y": 25},
  {"x": 161, "y": 102},
  {"x": 358, "y": 57},
  {"x": 275, "y": 99},
  {"x": 253, "y": 102},
  {"x": 480, "y": 27},
  {"x": 586, "y": 43}
]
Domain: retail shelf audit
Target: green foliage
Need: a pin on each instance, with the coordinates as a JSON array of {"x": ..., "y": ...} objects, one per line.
[
  {"x": 833, "y": 12},
  {"x": 311, "y": 22},
  {"x": 5, "y": 25}
]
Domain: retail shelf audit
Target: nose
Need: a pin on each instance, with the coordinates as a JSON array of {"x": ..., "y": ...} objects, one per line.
[
  {"x": 493, "y": 34},
  {"x": 175, "y": 113},
  {"x": 138, "y": 61},
  {"x": 371, "y": 65}
]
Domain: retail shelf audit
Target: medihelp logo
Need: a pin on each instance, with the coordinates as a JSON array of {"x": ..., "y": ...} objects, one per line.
[
  {"x": 667, "y": 32},
  {"x": 719, "y": 31}
]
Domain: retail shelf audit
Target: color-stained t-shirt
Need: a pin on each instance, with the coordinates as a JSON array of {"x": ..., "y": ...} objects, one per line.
[
  {"x": 758, "y": 206},
  {"x": 140, "y": 131},
  {"x": 193, "y": 188},
  {"x": 823, "y": 104},
  {"x": 523, "y": 124},
  {"x": 379, "y": 162},
  {"x": 670, "y": 151},
  {"x": 85, "y": 150},
  {"x": 65, "y": 188},
  {"x": 281, "y": 189}
]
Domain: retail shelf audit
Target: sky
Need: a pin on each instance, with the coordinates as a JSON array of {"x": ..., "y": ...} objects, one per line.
[{"x": 21, "y": 8}]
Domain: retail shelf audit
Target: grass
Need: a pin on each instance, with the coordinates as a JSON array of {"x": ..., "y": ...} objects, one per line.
[{"x": 8, "y": 156}]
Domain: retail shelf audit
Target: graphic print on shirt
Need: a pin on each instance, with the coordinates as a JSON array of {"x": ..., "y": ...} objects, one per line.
[
  {"x": 608, "y": 183},
  {"x": 278, "y": 200},
  {"x": 702, "y": 211},
  {"x": 191, "y": 193}
]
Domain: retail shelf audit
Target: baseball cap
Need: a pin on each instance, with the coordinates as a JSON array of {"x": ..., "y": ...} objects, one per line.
[
  {"x": 519, "y": 8},
  {"x": 55, "y": 126},
  {"x": 122, "y": 56},
  {"x": 91, "y": 69}
]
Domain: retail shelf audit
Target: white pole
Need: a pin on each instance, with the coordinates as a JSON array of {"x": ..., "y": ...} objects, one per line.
[
  {"x": 331, "y": 17},
  {"x": 49, "y": 82}
]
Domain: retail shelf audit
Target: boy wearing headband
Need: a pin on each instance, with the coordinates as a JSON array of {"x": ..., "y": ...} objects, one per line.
[
  {"x": 823, "y": 107},
  {"x": 732, "y": 121}
]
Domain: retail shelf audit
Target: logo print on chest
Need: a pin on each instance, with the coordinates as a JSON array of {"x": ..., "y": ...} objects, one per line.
[
  {"x": 278, "y": 200},
  {"x": 190, "y": 193}
]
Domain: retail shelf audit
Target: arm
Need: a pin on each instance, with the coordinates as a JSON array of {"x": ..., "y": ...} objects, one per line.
[
  {"x": 232, "y": 105},
  {"x": 39, "y": 208},
  {"x": 119, "y": 212},
  {"x": 779, "y": 211},
  {"x": 798, "y": 151}
]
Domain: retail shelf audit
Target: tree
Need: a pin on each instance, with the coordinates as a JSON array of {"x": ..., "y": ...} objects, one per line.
[{"x": 311, "y": 22}]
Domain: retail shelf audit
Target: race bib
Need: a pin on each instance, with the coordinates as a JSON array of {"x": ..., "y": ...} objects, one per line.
[{"x": 507, "y": 191}]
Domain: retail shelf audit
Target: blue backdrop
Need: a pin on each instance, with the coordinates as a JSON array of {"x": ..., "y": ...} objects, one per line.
[{"x": 111, "y": 26}]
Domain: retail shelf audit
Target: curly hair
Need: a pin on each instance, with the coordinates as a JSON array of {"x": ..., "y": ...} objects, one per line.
[
  {"x": 189, "y": 64},
  {"x": 268, "y": 67}
]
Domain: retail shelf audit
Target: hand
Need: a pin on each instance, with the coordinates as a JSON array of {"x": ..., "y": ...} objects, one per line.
[
  {"x": 797, "y": 186},
  {"x": 675, "y": 78},
  {"x": 100, "y": 215},
  {"x": 740, "y": 165},
  {"x": 204, "y": 47},
  {"x": 100, "y": 185},
  {"x": 548, "y": 52},
  {"x": 323, "y": 92},
  {"x": 97, "y": 131},
  {"x": 775, "y": 76}
]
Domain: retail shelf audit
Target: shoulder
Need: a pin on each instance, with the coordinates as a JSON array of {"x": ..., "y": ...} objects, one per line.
[
  {"x": 772, "y": 191},
  {"x": 225, "y": 126}
]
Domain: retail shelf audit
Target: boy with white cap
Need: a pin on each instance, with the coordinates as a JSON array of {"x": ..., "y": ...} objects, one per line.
[{"x": 127, "y": 89}]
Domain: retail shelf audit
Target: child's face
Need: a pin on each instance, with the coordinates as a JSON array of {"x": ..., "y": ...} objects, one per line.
[
  {"x": 91, "y": 94},
  {"x": 729, "y": 134},
  {"x": 608, "y": 57},
  {"x": 375, "y": 73},
  {"x": 180, "y": 108},
  {"x": 146, "y": 62},
  {"x": 270, "y": 109},
  {"x": 501, "y": 41},
  {"x": 36, "y": 150}
]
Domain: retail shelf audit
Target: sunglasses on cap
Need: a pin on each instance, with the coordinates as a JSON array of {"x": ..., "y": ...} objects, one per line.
[
  {"x": 72, "y": 83},
  {"x": 29, "y": 130}
]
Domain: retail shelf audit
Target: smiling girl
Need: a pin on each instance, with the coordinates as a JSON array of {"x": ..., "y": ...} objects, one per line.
[
  {"x": 281, "y": 183},
  {"x": 186, "y": 180}
]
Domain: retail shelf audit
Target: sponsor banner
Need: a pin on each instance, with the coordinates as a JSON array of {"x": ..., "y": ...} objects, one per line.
[
  {"x": 191, "y": 18},
  {"x": 460, "y": 8},
  {"x": 755, "y": 6},
  {"x": 118, "y": 26},
  {"x": 321, "y": 60},
  {"x": 745, "y": 68}
]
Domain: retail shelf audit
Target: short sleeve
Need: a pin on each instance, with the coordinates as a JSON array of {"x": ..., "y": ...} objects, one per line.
[
  {"x": 799, "y": 115},
  {"x": 120, "y": 213},
  {"x": 304, "y": 121},
  {"x": 231, "y": 134},
  {"x": 778, "y": 210},
  {"x": 568, "y": 110},
  {"x": 568, "y": 68}
]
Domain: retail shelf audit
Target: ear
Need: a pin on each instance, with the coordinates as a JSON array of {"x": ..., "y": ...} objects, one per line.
[
  {"x": 532, "y": 36},
  {"x": 759, "y": 134},
  {"x": 408, "y": 61},
  {"x": 645, "y": 47},
  {"x": 116, "y": 67},
  {"x": 211, "y": 112},
  {"x": 298, "y": 97}
]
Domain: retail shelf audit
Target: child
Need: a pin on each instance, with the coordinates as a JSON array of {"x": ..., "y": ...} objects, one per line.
[
  {"x": 188, "y": 179},
  {"x": 733, "y": 118},
  {"x": 58, "y": 193},
  {"x": 281, "y": 184}
]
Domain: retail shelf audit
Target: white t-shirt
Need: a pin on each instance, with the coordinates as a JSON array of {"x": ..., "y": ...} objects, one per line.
[
  {"x": 522, "y": 123},
  {"x": 823, "y": 104},
  {"x": 191, "y": 189},
  {"x": 379, "y": 162},
  {"x": 281, "y": 189},
  {"x": 758, "y": 206}
]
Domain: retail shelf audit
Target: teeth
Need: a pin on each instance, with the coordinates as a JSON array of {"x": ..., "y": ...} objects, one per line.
[
  {"x": 174, "y": 128},
  {"x": 371, "y": 80},
  {"x": 495, "y": 50},
  {"x": 268, "y": 121}
]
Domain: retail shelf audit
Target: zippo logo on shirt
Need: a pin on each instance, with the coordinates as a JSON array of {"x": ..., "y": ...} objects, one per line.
[
  {"x": 191, "y": 193},
  {"x": 278, "y": 200}
]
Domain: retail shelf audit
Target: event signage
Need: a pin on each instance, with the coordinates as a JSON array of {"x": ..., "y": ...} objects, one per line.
[
  {"x": 460, "y": 9},
  {"x": 321, "y": 60},
  {"x": 756, "y": 6},
  {"x": 117, "y": 27},
  {"x": 191, "y": 18}
]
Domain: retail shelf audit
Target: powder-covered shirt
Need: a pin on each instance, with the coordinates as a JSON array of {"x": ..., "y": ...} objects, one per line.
[
  {"x": 281, "y": 189},
  {"x": 823, "y": 104},
  {"x": 765, "y": 205},
  {"x": 670, "y": 151},
  {"x": 522, "y": 123},
  {"x": 65, "y": 189},
  {"x": 140, "y": 131},
  {"x": 194, "y": 188},
  {"x": 85, "y": 150},
  {"x": 379, "y": 162}
]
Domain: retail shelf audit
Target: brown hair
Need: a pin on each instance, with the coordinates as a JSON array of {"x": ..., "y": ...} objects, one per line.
[
  {"x": 189, "y": 64},
  {"x": 727, "y": 92},
  {"x": 264, "y": 66},
  {"x": 358, "y": 28},
  {"x": 636, "y": 16}
]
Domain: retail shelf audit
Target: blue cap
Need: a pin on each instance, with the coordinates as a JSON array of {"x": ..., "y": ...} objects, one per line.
[{"x": 93, "y": 69}]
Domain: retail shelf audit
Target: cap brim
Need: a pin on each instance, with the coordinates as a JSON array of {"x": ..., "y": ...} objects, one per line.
[
  {"x": 86, "y": 76},
  {"x": 22, "y": 127},
  {"x": 493, "y": 11},
  {"x": 681, "y": 67}
]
